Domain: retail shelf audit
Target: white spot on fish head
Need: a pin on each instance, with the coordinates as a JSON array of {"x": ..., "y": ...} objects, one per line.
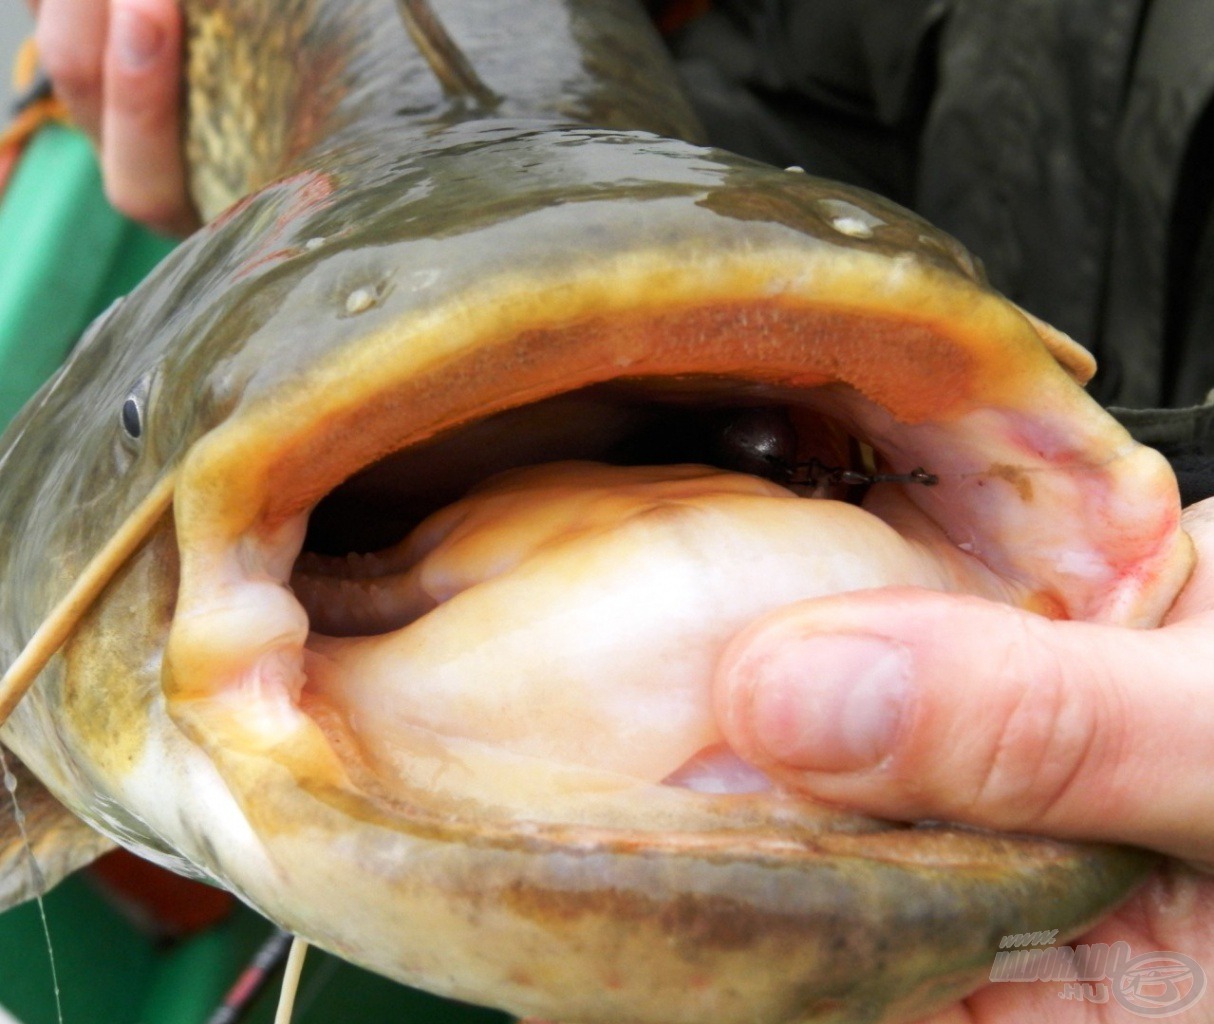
[
  {"x": 312, "y": 244},
  {"x": 850, "y": 219},
  {"x": 852, "y": 227},
  {"x": 360, "y": 300},
  {"x": 794, "y": 169}
]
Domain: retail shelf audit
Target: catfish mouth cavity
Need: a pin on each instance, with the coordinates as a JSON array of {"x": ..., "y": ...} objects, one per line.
[
  {"x": 360, "y": 598},
  {"x": 367, "y": 563},
  {"x": 712, "y": 422}
]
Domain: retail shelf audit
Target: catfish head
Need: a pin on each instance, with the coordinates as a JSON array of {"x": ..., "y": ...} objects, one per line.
[{"x": 383, "y": 544}]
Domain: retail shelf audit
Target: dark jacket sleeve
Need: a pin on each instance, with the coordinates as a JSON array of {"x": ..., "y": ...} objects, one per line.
[
  {"x": 1186, "y": 439},
  {"x": 1066, "y": 143}
]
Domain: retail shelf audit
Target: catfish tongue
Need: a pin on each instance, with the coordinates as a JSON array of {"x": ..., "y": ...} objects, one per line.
[{"x": 578, "y": 609}]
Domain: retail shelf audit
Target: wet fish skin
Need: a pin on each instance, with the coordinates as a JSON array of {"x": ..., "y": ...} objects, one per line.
[
  {"x": 244, "y": 341},
  {"x": 323, "y": 76}
]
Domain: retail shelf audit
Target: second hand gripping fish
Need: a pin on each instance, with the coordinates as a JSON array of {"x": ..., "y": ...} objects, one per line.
[{"x": 373, "y": 557}]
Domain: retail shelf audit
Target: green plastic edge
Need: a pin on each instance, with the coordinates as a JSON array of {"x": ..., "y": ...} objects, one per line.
[{"x": 65, "y": 254}]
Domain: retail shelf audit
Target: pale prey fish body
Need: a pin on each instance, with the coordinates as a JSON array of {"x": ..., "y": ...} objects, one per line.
[{"x": 484, "y": 760}]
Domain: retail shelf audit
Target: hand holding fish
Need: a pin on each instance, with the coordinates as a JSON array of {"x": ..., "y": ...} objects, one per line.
[
  {"x": 117, "y": 67},
  {"x": 962, "y": 710}
]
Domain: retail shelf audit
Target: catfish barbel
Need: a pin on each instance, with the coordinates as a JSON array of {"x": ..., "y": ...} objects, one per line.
[{"x": 371, "y": 560}]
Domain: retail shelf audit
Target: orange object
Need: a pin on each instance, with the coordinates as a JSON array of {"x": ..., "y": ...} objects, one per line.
[
  {"x": 156, "y": 900},
  {"x": 32, "y": 115}
]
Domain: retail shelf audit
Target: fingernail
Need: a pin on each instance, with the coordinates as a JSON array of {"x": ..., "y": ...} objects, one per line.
[
  {"x": 138, "y": 39},
  {"x": 831, "y": 703}
]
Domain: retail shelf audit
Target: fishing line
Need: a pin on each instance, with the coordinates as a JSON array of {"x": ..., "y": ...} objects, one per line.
[{"x": 37, "y": 879}]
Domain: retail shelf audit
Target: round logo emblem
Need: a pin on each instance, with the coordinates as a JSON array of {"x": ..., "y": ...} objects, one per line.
[{"x": 1159, "y": 984}]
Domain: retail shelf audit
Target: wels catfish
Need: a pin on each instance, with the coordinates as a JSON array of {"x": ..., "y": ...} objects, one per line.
[{"x": 371, "y": 560}]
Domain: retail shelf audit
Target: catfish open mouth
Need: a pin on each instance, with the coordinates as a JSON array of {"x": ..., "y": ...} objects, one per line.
[
  {"x": 555, "y": 582},
  {"x": 557, "y": 625},
  {"x": 626, "y": 343}
]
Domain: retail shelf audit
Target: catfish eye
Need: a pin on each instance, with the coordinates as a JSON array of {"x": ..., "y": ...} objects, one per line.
[
  {"x": 133, "y": 414},
  {"x": 132, "y": 417}
]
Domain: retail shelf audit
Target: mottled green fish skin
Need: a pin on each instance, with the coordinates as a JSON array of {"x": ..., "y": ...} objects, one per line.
[{"x": 275, "y": 88}]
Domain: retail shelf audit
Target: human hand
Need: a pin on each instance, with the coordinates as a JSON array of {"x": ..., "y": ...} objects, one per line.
[
  {"x": 116, "y": 64},
  {"x": 914, "y": 705}
]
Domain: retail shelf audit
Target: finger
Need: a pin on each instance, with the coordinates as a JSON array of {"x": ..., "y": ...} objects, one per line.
[
  {"x": 141, "y": 150},
  {"x": 915, "y": 705},
  {"x": 71, "y": 42},
  {"x": 1198, "y": 594}
]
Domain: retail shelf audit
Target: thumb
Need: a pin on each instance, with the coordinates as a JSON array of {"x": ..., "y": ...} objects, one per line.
[{"x": 915, "y": 705}]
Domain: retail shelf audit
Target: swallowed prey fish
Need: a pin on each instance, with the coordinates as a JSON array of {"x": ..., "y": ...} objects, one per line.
[{"x": 372, "y": 558}]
